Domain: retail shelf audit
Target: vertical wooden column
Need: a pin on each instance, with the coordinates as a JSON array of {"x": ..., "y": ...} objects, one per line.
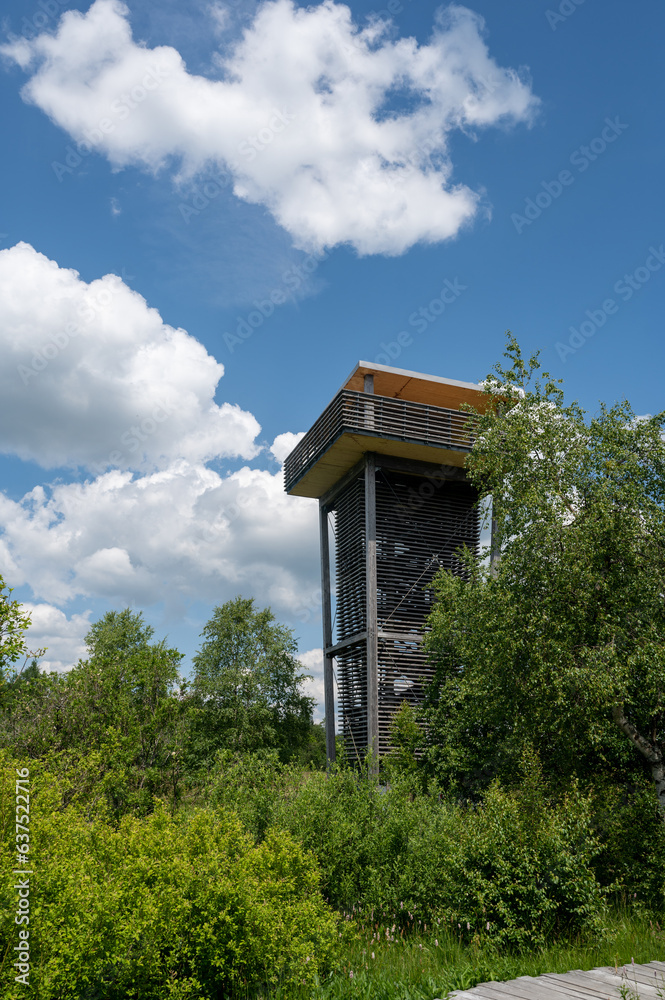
[
  {"x": 370, "y": 570},
  {"x": 368, "y": 388},
  {"x": 328, "y": 689}
]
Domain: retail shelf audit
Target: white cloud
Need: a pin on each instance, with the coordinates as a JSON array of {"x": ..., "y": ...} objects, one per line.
[
  {"x": 63, "y": 636},
  {"x": 161, "y": 526},
  {"x": 312, "y": 660},
  {"x": 91, "y": 375},
  {"x": 284, "y": 444},
  {"x": 341, "y": 132},
  {"x": 220, "y": 16},
  {"x": 180, "y": 534}
]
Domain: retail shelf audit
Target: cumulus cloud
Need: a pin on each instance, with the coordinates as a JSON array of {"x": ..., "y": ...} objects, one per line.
[
  {"x": 63, "y": 637},
  {"x": 182, "y": 533},
  {"x": 341, "y": 132},
  {"x": 312, "y": 661},
  {"x": 284, "y": 444},
  {"x": 90, "y": 375}
]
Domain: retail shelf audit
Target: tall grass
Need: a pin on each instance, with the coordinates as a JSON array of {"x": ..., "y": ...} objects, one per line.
[{"x": 430, "y": 963}]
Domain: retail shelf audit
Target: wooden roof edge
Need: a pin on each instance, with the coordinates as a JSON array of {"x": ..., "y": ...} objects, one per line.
[{"x": 367, "y": 367}]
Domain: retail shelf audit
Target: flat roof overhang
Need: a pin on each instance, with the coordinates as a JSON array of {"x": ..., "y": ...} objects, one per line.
[
  {"x": 348, "y": 448},
  {"x": 417, "y": 386}
]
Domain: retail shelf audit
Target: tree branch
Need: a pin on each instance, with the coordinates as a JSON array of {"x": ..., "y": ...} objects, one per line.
[{"x": 652, "y": 754}]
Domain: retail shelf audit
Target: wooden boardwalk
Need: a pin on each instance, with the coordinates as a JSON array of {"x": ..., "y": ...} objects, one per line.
[{"x": 628, "y": 982}]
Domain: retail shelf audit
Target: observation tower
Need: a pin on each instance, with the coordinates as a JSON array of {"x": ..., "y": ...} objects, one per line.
[{"x": 385, "y": 460}]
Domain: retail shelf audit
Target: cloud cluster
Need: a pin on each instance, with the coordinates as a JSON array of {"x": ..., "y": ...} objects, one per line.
[
  {"x": 312, "y": 661},
  {"x": 91, "y": 376},
  {"x": 62, "y": 636},
  {"x": 341, "y": 132},
  {"x": 181, "y": 534}
]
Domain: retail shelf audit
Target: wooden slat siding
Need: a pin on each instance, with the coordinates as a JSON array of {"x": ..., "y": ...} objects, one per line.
[
  {"x": 326, "y": 609},
  {"x": 594, "y": 984},
  {"x": 394, "y": 531},
  {"x": 371, "y": 615},
  {"x": 361, "y": 414}
]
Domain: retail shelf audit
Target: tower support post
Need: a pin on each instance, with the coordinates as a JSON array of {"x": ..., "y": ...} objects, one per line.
[{"x": 328, "y": 689}]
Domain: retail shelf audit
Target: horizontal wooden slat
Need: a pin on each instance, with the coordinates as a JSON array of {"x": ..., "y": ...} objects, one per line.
[
  {"x": 371, "y": 423},
  {"x": 644, "y": 981}
]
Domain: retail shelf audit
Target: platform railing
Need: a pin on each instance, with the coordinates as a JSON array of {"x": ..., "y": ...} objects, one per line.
[{"x": 377, "y": 416}]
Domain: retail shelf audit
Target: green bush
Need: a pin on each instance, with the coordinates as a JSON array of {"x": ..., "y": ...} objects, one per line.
[
  {"x": 164, "y": 906},
  {"x": 518, "y": 863},
  {"x": 631, "y": 833}
]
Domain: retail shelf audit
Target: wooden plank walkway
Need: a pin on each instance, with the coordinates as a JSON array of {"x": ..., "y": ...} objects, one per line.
[{"x": 628, "y": 982}]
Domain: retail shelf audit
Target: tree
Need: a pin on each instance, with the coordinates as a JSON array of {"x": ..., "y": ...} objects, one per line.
[
  {"x": 14, "y": 623},
  {"x": 114, "y": 724},
  {"x": 248, "y": 684},
  {"x": 561, "y": 646}
]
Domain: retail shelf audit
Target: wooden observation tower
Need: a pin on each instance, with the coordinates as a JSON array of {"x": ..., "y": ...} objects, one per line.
[{"x": 386, "y": 462}]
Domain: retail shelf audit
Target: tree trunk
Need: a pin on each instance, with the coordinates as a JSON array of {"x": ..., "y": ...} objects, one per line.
[{"x": 652, "y": 754}]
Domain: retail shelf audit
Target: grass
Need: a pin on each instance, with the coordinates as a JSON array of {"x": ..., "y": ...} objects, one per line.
[{"x": 430, "y": 963}]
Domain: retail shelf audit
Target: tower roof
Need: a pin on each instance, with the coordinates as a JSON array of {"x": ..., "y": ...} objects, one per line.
[
  {"x": 405, "y": 414},
  {"x": 399, "y": 383}
]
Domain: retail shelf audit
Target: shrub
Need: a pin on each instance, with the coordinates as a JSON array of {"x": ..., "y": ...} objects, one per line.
[
  {"x": 517, "y": 862},
  {"x": 631, "y": 860},
  {"x": 163, "y": 906}
]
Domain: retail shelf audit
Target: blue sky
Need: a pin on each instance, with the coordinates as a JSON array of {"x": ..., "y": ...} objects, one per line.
[{"x": 313, "y": 177}]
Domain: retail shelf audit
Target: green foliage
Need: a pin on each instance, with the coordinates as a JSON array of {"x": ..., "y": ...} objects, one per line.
[
  {"x": 164, "y": 906},
  {"x": 631, "y": 859},
  {"x": 406, "y": 740},
  {"x": 13, "y": 625},
  {"x": 255, "y": 786},
  {"x": 114, "y": 725},
  {"x": 517, "y": 862},
  {"x": 562, "y": 647},
  {"x": 431, "y": 961},
  {"x": 247, "y": 686}
]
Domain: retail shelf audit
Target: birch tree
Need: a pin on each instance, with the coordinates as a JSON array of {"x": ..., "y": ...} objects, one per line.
[
  {"x": 561, "y": 645},
  {"x": 248, "y": 685}
]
